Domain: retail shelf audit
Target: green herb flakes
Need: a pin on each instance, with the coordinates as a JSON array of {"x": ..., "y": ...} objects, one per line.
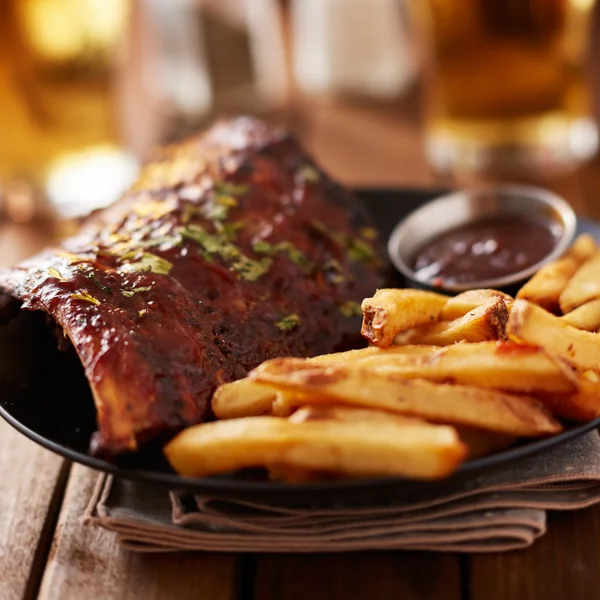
[
  {"x": 164, "y": 240},
  {"x": 91, "y": 275},
  {"x": 351, "y": 309},
  {"x": 334, "y": 271},
  {"x": 223, "y": 188},
  {"x": 220, "y": 245},
  {"x": 360, "y": 251},
  {"x": 369, "y": 233},
  {"x": 251, "y": 270},
  {"x": 148, "y": 262},
  {"x": 309, "y": 173},
  {"x": 289, "y": 323},
  {"x": 142, "y": 312},
  {"x": 131, "y": 292},
  {"x": 83, "y": 295},
  {"x": 263, "y": 247},
  {"x": 56, "y": 274},
  {"x": 295, "y": 255},
  {"x": 216, "y": 212}
]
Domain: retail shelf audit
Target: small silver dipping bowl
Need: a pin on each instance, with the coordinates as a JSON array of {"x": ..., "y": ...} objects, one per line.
[{"x": 468, "y": 206}]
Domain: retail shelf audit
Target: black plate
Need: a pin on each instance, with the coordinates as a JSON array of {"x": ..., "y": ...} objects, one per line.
[{"x": 45, "y": 396}]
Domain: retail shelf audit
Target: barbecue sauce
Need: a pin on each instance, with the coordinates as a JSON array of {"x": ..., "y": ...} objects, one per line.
[{"x": 486, "y": 249}]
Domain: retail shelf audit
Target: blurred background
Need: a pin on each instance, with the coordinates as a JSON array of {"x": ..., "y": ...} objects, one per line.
[{"x": 383, "y": 92}]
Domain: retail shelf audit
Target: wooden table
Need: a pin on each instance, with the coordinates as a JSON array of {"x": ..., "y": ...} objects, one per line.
[{"x": 47, "y": 554}]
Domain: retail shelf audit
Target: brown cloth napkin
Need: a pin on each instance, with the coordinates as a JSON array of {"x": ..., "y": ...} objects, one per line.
[{"x": 502, "y": 510}]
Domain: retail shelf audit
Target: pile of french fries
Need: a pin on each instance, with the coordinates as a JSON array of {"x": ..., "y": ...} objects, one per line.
[{"x": 443, "y": 379}]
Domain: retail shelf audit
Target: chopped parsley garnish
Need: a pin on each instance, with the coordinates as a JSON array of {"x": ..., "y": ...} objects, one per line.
[
  {"x": 369, "y": 233},
  {"x": 334, "y": 271},
  {"x": 171, "y": 240},
  {"x": 263, "y": 247},
  {"x": 91, "y": 275},
  {"x": 296, "y": 256},
  {"x": 83, "y": 295},
  {"x": 251, "y": 270},
  {"x": 215, "y": 208},
  {"x": 223, "y": 188},
  {"x": 289, "y": 323},
  {"x": 56, "y": 274},
  {"x": 360, "y": 251},
  {"x": 142, "y": 312},
  {"x": 131, "y": 292},
  {"x": 309, "y": 173},
  {"x": 147, "y": 262},
  {"x": 220, "y": 245},
  {"x": 351, "y": 309}
]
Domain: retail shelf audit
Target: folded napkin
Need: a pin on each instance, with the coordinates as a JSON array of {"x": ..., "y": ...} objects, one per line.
[{"x": 502, "y": 510}]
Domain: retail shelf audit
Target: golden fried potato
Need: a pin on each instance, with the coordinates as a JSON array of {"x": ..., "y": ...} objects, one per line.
[
  {"x": 530, "y": 324},
  {"x": 242, "y": 398},
  {"x": 584, "y": 247},
  {"x": 321, "y": 439},
  {"x": 583, "y": 286},
  {"x": 441, "y": 403},
  {"x": 582, "y": 405},
  {"x": 468, "y": 301},
  {"x": 505, "y": 366},
  {"x": 547, "y": 285},
  {"x": 586, "y": 316},
  {"x": 286, "y": 403},
  {"x": 484, "y": 323},
  {"x": 246, "y": 398},
  {"x": 392, "y": 311}
]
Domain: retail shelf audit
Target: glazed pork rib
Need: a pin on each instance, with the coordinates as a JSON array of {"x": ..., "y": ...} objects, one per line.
[{"x": 232, "y": 247}]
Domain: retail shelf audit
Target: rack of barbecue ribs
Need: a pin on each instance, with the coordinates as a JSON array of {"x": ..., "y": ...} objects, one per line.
[{"x": 231, "y": 248}]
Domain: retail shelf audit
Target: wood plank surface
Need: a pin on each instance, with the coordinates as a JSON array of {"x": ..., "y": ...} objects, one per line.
[
  {"x": 30, "y": 493},
  {"x": 358, "y": 576},
  {"x": 31, "y": 478},
  {"x": 563, "y": 564},
  {"x": 86, "y": 562}
]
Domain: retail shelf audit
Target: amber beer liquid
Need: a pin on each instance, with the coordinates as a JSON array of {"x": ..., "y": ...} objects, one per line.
[
  {"x": 58, "y": 120},
  {"x": 506, "y": 83}
]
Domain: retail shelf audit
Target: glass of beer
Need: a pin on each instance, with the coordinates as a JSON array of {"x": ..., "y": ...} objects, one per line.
[
  {"x": 505, "y": 85},
  {"x": 61, "y": 147}
]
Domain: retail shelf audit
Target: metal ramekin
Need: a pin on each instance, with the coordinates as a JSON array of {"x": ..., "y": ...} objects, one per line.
[{"x": 466, "y": 206}]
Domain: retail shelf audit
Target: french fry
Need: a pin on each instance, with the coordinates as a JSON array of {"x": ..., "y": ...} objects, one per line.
[
  {"x": 392, "y": 311},
  {"x": 505, "y": 366},
  {"x": 319, "y": 440},
  {"x": 583, "y": 286},
  {"x": 487, "y": 409},
  {"x": 484, "y": 323},
  {"x": 242, "y": 398},
  {"x": 286, "y": 403},
  {"x": 530, "y": 324},
  {"x": 464, "y": 303},
  {"x": 582, "y": 405},
  {"x": 246, "y": 398},
  {"x": 586, "y": 316},
  {"x": 547, "y": 285}
]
